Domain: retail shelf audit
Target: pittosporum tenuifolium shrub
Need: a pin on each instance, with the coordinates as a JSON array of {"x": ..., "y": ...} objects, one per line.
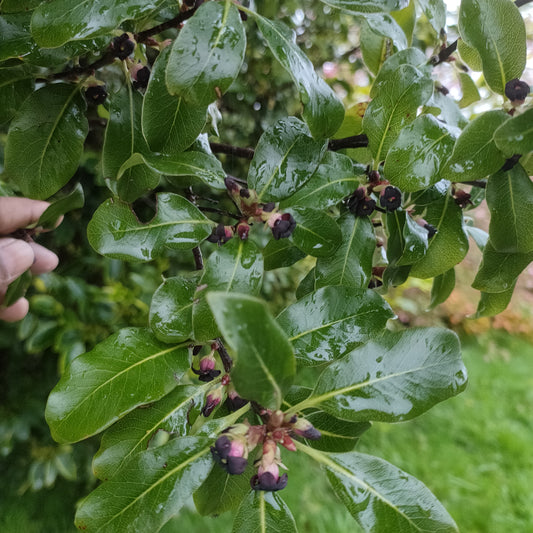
[{"x": 209, "y": 397}]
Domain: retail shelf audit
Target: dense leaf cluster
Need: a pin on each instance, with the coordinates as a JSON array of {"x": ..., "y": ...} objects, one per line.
[{"x": 366, "y": 196}]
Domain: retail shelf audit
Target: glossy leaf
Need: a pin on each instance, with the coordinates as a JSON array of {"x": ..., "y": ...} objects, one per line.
[
  {"x": 208, "y": 54},
  {"x": 57, "y": 22},
  {"x": 235, "y": 267},
  {"x": 493, "y": 303},
  {"x": 495, "y": 28},
  {"x": 17, "y": 6},
  {"x": 134, "y": 432},
  {"x": 149, "y": 489},
  {"x": 416, "y": 157},
  {"x": 443, "y": 286},
  {"x": 435, "y": 11},
  {"x": 115, "y": 231},
  {"x": 400, "y": 95},
  {"x": 323, "y": 111},
  {"x": 316, "y": 233},
  {"x": 374, "y": 47},
  {"x": 383, "y": 498},
  {"x": 351, "y": 263},
  {"x": 265, "y": 512},
  {"x": 285, "y": 159},
  {"x": 17, "y": 289},
  {"x": 468, "y": 89},
  {"x": 222, "y": 492},
  {"x": 169, "y": 123},
  {"x": 499, "y": 270},
  {"x": 386, "y": 26},
  {"x": 516, "y": 135},
  {"x": 45, "y": 140},
  {"x": 397, "y": 377},
  {"x": 407, "y": 242},
  {"x": 475, "y": 154},
  {"x": 333, "y": 320},
  {"x": 16, "y": 84},
  {"x": 60, "y": 206},
  {"x": 479, "y": 236},
  {"x": 450, "y": 244},
  {"x": 307, "y": 285},
  {"x": 15, "y": 37},
  {"x": 264, "y": 363},
  {"x": 470, "y": 55},
  {"x": 445, "y": 109},
  {"x": 171, "y": 309},
  {"x": 281, "y": 253},
  {"x": 336, "y": 435},
  {"x": 509, "y": 196},
  {"x": 335, "y": 178},
  {"x": 180, "y": 168},
  {"x": 126, "y": 370},
  {"x": 123, "y": 139},
  {"x": 366, "y": 6}
]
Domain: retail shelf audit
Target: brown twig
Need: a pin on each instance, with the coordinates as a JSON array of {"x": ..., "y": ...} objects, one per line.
[
  {"x": 355, "y": 141},
  {"x": 219, "y": 148},
  {"x": 227, "y": 361},
  {"x": 476, "y": 183},
  {"x": 198, "y": 259}
]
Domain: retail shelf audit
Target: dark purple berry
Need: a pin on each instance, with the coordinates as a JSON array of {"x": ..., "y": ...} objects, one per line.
[
  {"x": 142, "y": 76},
  {"x": 96, "y": 94},
  {"x": 268, "y": 482},
  {"x": 391, "y": 198},
  {"x": 432, "y": 230},
  {"x": 122, "y": 46},
  {"x": 284, "y": 226},
  {"x": 516, "y": 90}
]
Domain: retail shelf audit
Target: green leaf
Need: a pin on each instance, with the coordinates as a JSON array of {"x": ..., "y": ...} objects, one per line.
[
  {"x": 509, "y": 196},
  {"x": 15, "y": 37},
  {"x": 149, "y": 489},
  {"x": 235, "y": 267},
  {"x": 123, "y": 139},
  {"x": 469, "y": 90},
  {"x": 17, "y": 289},
  {"x": 357, "y": 7},
  {"x": 45, "y": 140},
  {"x": 443, "y": 286},
  {"x": 331, "y": 321},
  {"x": 222, "y": 492},
  {"x": 446, "y": 110},
  {"x": 335, "y": 178},
  {"x": 307, "y": 285},
  {"x": 407, "y": 241},
  {"x": 336, "y": 435},
  {"x": 498, "y": 271},
  {"x": 495, "y": 28},
  {"x": 180, "y": 167},
  {"x": 449, "y": 246},
  {"x": 351, "y": 263},
  {"x": 60, "y": 206},
  {"x": 133, "y": 433},
  {"x": 397, "y": 377},
  {"x": 169, "y": 123},
  {"x": 171, "y": 309},
  {"x": 57, "y": 22},
  {"x": 516, "y": 135},
  {"x": 381, "y": 497},
  {"x": 435, "y": 11},
  {"x": 323, "y": 111},
  {"x": 386, "y": 26},
  {"x": 316, "y": 233},
  {"x": 416, "y": 157},
  {"x": 115, "y": 231},
  {"x": 264, "y": 363},
  {"x": 493, "y": 303},
  {"x": 374, "y": 47},
  {"x": 264, "y": 512},
  {"x": 409, "y": 56},
  {"x": 470, "y": 55},
  {"x": 208, "y": 54},
  {"x": 395, "y": 105},
  {"x": 17, "y": 6},
  {"x": 479, "y": 236},
  {"x": 126, "y": 370},
  {"x": 16, "y": 84},
  {"x": 284, "y": 160},
  {"x": 281, "y": 253},
  {"x": 475, "y": 154}
]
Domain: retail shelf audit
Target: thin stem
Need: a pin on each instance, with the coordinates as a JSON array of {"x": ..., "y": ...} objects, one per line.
[
  {"x": 476, "y": 183},
  {"x": 219, "y": 211},
  {"x": 198, "y": 259},
  {"x": 520, "y": 3},
  {"x": 355, "y": 141},
  {"x": 444, "y": 54},
  {"x": 227, "y": 361},
  {"x": 237, "y": 151}
]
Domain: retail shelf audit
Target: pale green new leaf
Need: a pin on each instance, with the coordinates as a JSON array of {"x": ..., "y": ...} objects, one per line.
[{"x": 126, "y": 370}]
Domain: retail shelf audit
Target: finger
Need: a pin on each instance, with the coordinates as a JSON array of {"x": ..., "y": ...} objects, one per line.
[
  {"x": 18, "y": 213},
  {"x": 16, "y": 257},
  {"x": 15, "y": 312},
  {"x": 45, "y": 260}
]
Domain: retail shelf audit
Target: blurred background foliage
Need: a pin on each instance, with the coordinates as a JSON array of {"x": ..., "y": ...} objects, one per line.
[{"x": 481, "y": 440}]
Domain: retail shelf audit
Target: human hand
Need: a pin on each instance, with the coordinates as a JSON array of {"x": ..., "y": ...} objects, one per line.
[{"x": 16, "y": 255}]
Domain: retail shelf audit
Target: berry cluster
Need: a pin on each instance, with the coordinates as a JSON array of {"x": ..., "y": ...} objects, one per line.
[{"x": 232, "y": 448}]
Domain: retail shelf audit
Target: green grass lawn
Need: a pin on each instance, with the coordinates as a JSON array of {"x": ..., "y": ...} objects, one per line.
[{"x": 475, "y": 452}]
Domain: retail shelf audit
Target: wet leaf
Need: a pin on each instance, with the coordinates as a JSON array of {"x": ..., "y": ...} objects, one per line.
[{"x": 516, "y": 135}]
